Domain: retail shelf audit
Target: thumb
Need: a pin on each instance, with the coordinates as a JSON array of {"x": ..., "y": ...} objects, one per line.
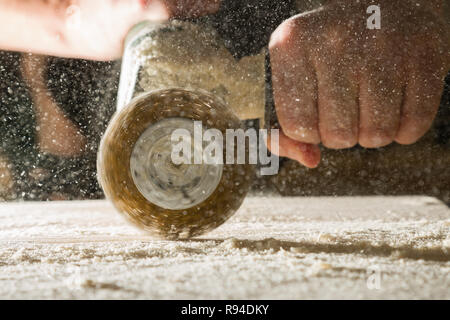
[{"x": 306, "y": 154}]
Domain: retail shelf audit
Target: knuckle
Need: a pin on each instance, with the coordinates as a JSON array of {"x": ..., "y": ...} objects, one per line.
[{"x": 281, "y": 36}]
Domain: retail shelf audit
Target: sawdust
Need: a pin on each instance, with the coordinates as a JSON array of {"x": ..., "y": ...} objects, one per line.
[{"x": 273, "y": 248}]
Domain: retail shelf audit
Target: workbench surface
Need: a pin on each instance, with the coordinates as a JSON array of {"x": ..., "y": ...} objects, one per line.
[{"x": 273, "y": 248}]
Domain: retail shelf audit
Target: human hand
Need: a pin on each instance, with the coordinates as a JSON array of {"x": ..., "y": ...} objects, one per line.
[
  {"x": 338, "y": 83},
  {"x": 103, "y": 24},
  {"x": 85, "y": 28}
]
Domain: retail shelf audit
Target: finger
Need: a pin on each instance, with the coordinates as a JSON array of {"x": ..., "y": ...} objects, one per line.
[
  {"x": 427, "y": 67},
  {"x": 294, "y": 83},
  {"x": 422, "y": 98},
  {"x": 337, "y": 104},
  {"x": 380, "y": 100},
  {"x": 306, "y": 154}
]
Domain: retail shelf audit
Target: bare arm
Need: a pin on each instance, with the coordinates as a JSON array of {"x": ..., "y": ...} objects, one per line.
[{"x": 84, "y": 28}]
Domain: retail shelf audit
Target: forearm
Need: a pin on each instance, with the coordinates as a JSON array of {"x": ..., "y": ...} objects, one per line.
[{"x": 84, "y": 28}]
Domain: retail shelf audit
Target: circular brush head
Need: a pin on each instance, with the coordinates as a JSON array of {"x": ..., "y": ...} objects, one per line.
[{"x": 137, "y": 173}]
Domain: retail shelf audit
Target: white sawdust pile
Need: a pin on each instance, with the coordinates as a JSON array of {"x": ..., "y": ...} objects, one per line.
[{"x": 275, "y": 248}]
